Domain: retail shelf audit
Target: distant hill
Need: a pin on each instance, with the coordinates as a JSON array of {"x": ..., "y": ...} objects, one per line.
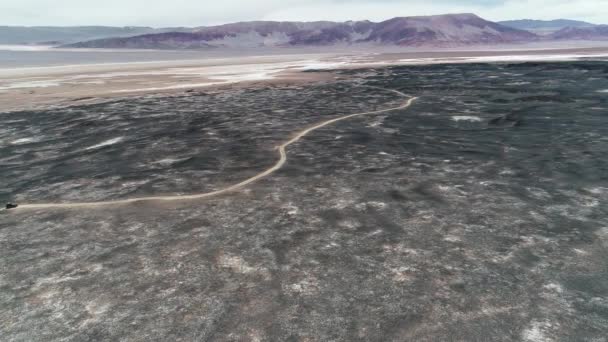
[
  {"x": 441, "y": 30},
  {"x": 449, "y": 30},
  {"x": 245, "y": 34},
  {"x": 599, "y": 32},
  {"x": 446, "y": 30},
  {"x": 545, "y": 26},
  {"x": 69, "y": 34}
]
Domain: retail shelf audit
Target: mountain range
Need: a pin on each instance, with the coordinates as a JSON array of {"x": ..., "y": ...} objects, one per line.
[
  {"x": 544, "y": 27},
  {"x": 448, "y": 30},
  {"x": 561, "y": 29},
  {"x": 599, "y": 32},
  {"x": 52, "y": 35},
  {"x": 440, "y": 30}
]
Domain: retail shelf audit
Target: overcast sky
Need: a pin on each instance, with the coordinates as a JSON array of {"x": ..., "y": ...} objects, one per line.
[{"x": 208, "y": 12}]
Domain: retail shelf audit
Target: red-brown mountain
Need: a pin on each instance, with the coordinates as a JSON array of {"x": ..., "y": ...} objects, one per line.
[{"x": 440, "y": 30}]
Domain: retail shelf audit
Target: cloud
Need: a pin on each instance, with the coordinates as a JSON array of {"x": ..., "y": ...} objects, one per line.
[
  {"x": 198, "y": 13},
  {"x": 593, "y": 10}
]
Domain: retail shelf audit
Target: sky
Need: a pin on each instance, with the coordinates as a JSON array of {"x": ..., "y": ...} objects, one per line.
[{"x": 163, "y": 13}]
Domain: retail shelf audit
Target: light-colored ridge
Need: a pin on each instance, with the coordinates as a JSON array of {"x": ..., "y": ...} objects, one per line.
[{"x": 279, "y": 164}]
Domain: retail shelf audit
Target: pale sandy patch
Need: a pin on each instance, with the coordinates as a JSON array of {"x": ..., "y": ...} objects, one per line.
[
  {"x": 466, "y": 118},
  {"x": 106, "y": 143}
]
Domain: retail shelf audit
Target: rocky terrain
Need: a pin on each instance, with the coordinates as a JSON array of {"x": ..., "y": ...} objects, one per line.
[{"x": 477, "y": 214}]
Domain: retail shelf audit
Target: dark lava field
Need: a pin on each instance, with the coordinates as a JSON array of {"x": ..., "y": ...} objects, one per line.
[{"x": 477, "y": 214}]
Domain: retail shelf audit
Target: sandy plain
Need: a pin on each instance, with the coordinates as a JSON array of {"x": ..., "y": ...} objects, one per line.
[{"x": 64, "y": 85}]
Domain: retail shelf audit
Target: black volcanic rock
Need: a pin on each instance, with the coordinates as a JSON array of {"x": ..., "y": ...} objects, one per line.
[{"x": 509, "y": 120}]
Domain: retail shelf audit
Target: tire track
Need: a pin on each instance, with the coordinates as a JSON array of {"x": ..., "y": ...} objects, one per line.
[{"x": 278, "y": 165}]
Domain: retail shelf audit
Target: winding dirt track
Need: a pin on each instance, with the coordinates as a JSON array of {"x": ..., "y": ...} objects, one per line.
[{"x": 263, "y": 174}]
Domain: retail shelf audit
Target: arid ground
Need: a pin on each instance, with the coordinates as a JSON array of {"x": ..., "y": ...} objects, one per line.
[
  {"x": 66, "y": 85},
  {"x": 475, "y": 214}
]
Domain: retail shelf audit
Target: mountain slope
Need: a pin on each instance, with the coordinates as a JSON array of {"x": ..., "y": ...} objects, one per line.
[
  {"x": 599, "y": 32},
  {"x": 442, "y": 30},
  {"x": 65, "y": 35},
  {"x": 545, "y": 26},
  {"x": 246, "y": 34},
  {"x": 456, "y": 29}
]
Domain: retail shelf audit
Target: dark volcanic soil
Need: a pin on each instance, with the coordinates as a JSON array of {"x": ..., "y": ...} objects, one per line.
[{"x": 478, "y": 214}]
